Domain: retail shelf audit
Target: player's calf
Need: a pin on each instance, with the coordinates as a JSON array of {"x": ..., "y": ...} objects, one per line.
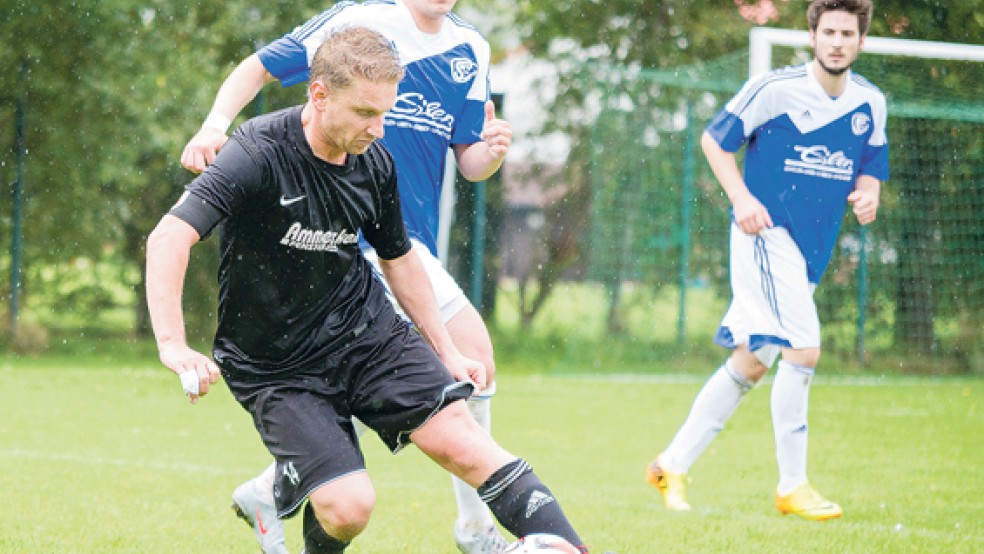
[
  {"x": 524, "y": 505},
  {"x": 514, "y": 494}
]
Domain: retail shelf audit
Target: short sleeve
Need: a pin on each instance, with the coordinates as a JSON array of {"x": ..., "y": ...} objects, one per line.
[
  {"x": 228, "y": 183},
  {"x": 874, "y": 160},
  {"x": 747, "y": 111},
  {"x": 289, "y": 57},
  {"x": 468, "y": 129}
]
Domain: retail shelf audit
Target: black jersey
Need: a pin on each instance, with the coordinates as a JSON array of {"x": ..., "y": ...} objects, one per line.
[{"x": 292, "y": 283}]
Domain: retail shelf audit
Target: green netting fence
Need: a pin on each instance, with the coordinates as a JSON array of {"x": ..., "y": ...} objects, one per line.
[{"x": 909, "y": 286}]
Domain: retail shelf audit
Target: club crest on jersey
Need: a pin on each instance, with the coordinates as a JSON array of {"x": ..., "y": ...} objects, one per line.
[
  {"x": 819, "y": 161},
  {"x": 463, "y": 69},
  {"x": 302, "y": 238},
  {"x": 860, "y": 123}
]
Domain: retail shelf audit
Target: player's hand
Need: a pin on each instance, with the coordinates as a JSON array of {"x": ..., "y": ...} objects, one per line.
[
  {"x": 750, "y": 215},
  {"x": 496, "y": 133},
  {"x": 202, "y": 149},
  {"x": 466, "y": 369},
  {"x": 197, "y": 371},
  {"x": 865, "y": 205}
]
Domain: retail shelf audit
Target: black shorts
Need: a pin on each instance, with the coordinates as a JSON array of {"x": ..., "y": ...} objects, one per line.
[{"x": 389, "y": 378}]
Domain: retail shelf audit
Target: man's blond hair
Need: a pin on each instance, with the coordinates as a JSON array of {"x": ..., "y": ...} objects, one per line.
[{"x": 355, "y": 52}]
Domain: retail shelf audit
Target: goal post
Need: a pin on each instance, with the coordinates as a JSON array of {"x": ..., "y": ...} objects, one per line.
[{"x": 763, "y": 39}]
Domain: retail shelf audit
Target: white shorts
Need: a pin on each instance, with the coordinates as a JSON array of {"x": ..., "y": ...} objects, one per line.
[
  {"x": 772, "y": 305},
  {"x": 450, "y": 298}
]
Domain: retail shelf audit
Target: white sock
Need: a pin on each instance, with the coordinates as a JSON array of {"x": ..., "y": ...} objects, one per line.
[
  {"x": 360, "y": 428},
  {"x": 263, "y": 483},
  {"x": 712, "y": 407},
  {"x": 790, "y": 402},
  {"x": 473, "y": 515}
]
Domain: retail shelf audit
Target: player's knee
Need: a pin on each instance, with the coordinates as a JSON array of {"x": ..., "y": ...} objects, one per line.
[
  {"x": 806, "y": 357},
  {"x": 343, "y": 514},
  {"x": 748, "y": 365}
]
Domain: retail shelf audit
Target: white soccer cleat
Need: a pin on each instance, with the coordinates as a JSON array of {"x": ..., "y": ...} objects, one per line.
[
  {"x": 488, "y": 541},
  {"x": 261, "y": 515},
  {"x": 542, "y": 543}
]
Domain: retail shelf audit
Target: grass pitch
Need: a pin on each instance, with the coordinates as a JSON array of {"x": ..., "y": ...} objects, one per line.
[{"x": 109, "y": 457}]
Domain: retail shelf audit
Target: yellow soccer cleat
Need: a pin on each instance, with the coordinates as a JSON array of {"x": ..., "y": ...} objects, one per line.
[
  {"x": 672, "y": 485},
  {"x": 807, "y": 503}
]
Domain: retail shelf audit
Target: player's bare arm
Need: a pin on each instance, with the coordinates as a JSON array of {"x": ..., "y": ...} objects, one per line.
[
  {"x": 239, "y": 89},
  {"x": 750, "y": 215},
  {"x": 409, "y": 283},
  {"x": 865, "y": 198},
  {"x": 480, "y": 160},
  {"x": 168, "y": 249}
]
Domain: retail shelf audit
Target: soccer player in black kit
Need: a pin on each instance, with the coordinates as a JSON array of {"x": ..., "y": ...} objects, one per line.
[{"x": 306, "y": 337}]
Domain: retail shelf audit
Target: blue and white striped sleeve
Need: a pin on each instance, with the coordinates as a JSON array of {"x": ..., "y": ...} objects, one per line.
[
  {"x": 748, "y": 110},
  {"x": 289, "y": 57}
]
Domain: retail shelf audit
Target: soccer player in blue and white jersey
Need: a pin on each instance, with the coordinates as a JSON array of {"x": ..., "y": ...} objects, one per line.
[
  {"x": 815, "y": 142},
  {"x": 443, "y": 104}
]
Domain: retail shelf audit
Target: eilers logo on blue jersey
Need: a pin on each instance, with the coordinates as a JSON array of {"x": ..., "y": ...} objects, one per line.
[
  {"x": 818, "y": 161},
  {"x": 414, "y": 111}
]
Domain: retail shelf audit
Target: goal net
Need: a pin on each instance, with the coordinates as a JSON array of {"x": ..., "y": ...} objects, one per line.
[{"x": 911, "y": 284}]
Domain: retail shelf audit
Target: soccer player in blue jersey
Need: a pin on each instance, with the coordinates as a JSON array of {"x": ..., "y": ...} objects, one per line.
[
  {"x": 443, "y": 104},
  {"x": 306, "y": 337},
  {"x": 815, "y": 142}
]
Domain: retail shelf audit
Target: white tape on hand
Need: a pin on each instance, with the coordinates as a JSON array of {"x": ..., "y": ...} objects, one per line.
[
  {"x": 218, "y": 121},
  {"x": 189, "y": 382}
]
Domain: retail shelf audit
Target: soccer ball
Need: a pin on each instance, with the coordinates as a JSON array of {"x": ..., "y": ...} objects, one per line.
[{"x": 542, "y": 543}]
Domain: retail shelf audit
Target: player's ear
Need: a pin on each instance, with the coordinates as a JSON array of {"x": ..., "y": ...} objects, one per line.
[{"x": 318, "y": 93}]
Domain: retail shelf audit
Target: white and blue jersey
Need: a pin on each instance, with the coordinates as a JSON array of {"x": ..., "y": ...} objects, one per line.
[
  {"x": 805, "y": 151},
  {"x": 441, "y": 100}
]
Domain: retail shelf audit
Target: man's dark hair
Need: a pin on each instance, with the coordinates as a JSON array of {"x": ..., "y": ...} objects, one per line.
[{"x": 860, "y": 8}]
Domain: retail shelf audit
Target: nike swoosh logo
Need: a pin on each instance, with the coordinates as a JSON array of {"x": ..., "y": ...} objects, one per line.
[
  {"x": 284, "y": 201},
  {"x": 259, "y": 518}
]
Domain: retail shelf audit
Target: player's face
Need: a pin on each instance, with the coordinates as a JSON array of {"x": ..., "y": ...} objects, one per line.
[
  {"x": 837, "y": 41},
  {"x": 352, "y": 118},
  {"x": 430, "y": 9}
]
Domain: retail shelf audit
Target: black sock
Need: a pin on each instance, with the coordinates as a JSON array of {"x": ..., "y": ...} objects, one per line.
[
  {"x": 524, "y": 505},
  {"x": 316, "y": 539}
]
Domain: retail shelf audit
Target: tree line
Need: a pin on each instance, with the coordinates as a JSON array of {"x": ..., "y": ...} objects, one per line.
[{"x": 111, "y": 90}]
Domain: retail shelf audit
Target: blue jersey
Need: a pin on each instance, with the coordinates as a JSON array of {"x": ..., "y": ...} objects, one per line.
[
  {"x": 441, "y": 100},
  {"x": 805, "y": 151}
]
